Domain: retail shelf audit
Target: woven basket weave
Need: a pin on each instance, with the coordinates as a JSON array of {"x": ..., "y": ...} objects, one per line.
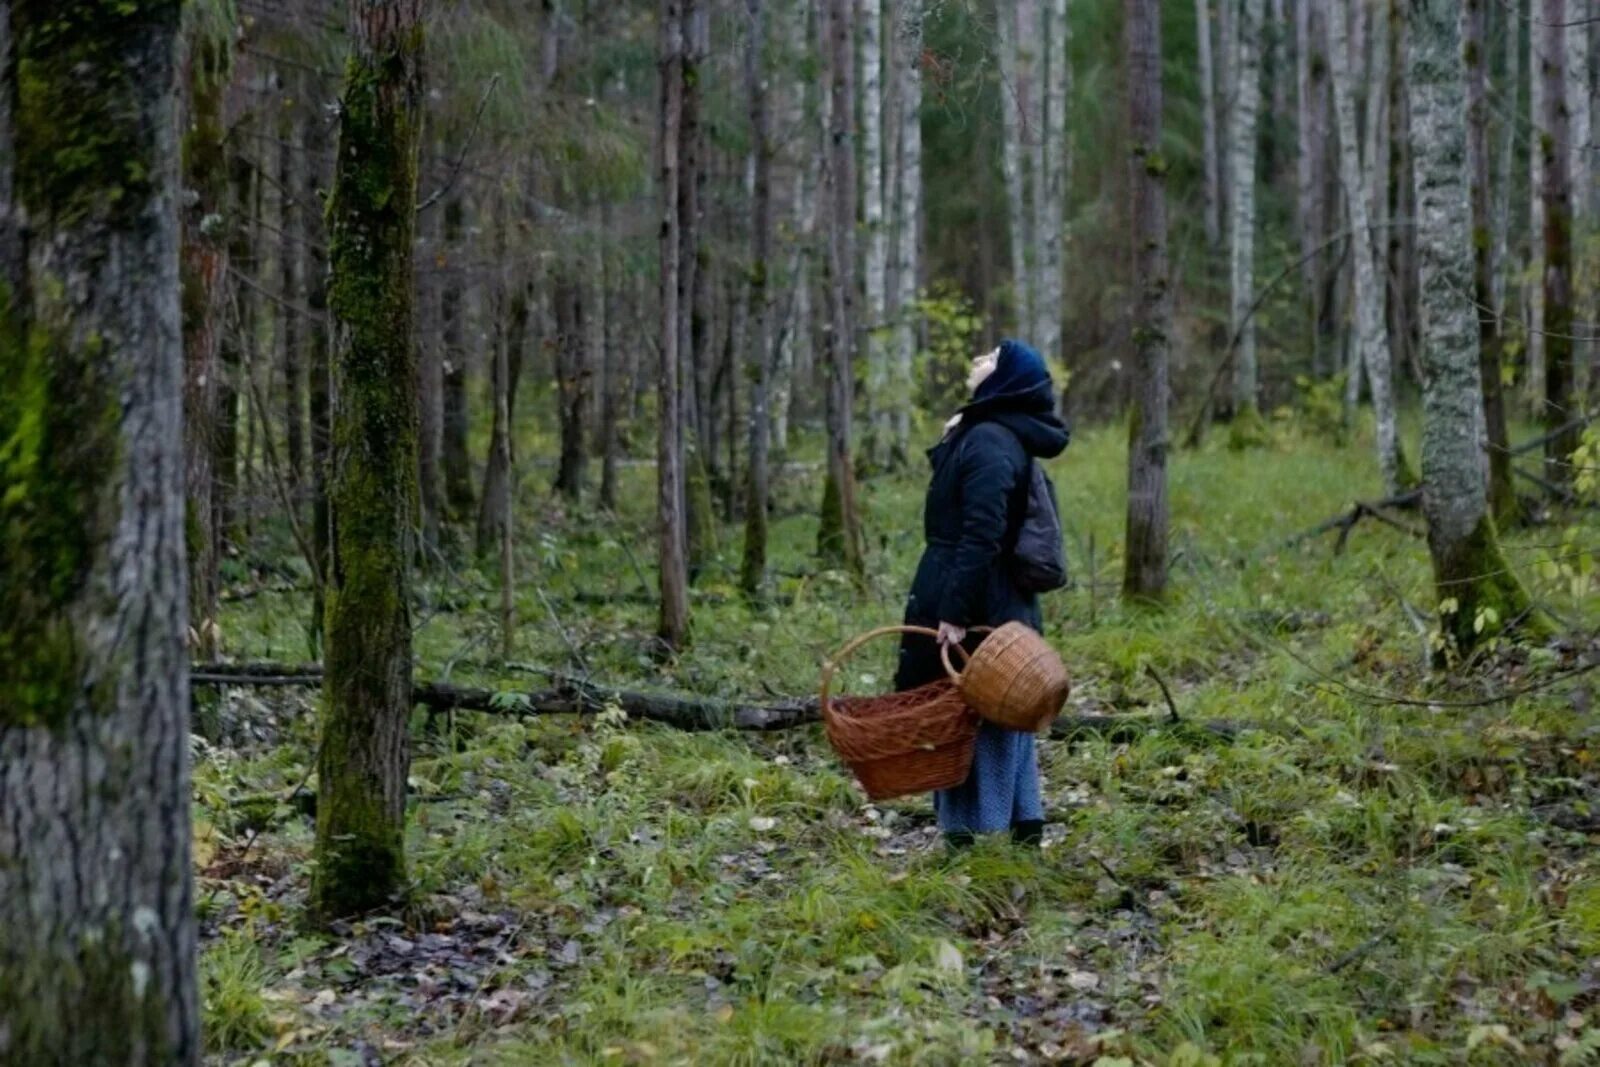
[
  {"x": 900, "y": 743},
  {"x": 1014, "y": 679}
]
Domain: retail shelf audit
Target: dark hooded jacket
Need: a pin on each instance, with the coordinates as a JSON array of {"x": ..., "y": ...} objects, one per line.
[{"x": 975, "y": 506}]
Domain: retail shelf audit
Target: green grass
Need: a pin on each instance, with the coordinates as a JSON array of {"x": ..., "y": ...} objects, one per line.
[{"x": 1346, "y": 880}]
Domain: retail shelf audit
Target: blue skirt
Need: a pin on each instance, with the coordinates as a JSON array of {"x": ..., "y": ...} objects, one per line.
[{"x": 1001, "y": 791}]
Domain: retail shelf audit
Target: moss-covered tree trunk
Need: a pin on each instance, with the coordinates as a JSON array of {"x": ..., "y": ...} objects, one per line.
[
  {"x": 839, "y": 535},
  {"x": 1478, "y": 592},
  {"x": 673, "y": 626},
  {"x": 1145, "y": 573},
  {"x": 97, "y": 929},
  {"x": 208, "y": 62},
  {"x": 1502, "y": 494},
  {"x": 753, "y": 568},
  {"x": 361, "y": 768}
]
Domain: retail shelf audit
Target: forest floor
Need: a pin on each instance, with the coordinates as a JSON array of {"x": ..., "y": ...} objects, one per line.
[{"x": 1384, "y": 865}]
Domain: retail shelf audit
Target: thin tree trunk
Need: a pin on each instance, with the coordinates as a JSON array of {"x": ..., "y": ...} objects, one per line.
[
  {"x": 364, "y": 756},
  {"x": 1211, "y": 162},
  {"x": 908, "y": 214},
  {"x": 839, "y": 536},
  {"x": 753, "y": 569},
  {"x": 1311, "y": 94},
  {"x": 494, "y": 507},
  {"x": 317, "y": 172},
  {"x": 1556, "y": 144},
  {"x": 430, "y": 378},
  {"x": 1145, "y": 572},
  {"x": 1050, "y": 293},
  {"x": 206, "y": 290},
  {"x": 234, "y": 351},
  {"x": 97, "y": 925},
  {"x": 456, "y": 460},
  {"x": 1373, "y": 337},
  {"x": 572, "y": 388},
  {"x": 618, "y": 379},
  {"x": 289, "y": 286},
  {"x": 1242, "y": 140},
  {"x": 1012, "y": 161},
  {"x": 878, "y": 420},
  {"x": 673, "y": 628},
  {"x": 1501, "y": 228},
  {"x": 1580, "y": 157},
  {"x": 1534, "y": 382},
  {"x": 1477, "y": 589},
  {"x": 1502, "y": 494}
]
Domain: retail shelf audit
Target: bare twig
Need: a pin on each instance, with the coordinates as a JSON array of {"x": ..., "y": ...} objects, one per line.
[
  {"x": 1166, "y": 692},
  {"x": 461, "y": 157}
]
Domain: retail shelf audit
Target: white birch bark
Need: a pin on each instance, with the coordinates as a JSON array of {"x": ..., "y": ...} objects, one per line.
[
  {"x": 1242, "y": 204},
  {"x": 1501, "y": 223},
  {"x": 1581, "y": 156},
  {"x": 1372, "y": 334},
  {"x": 908, "y": 203},
  {"x": 876, "y": 234},
  {"x": 1469, "y": 571},
  {"x": 1011, "y": 160},
  {"x": 1212, "y": 163},
  {"x": 1050, "y": 292}
]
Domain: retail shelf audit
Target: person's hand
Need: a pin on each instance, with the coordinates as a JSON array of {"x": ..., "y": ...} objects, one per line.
[{"x": 951, "y": 634}]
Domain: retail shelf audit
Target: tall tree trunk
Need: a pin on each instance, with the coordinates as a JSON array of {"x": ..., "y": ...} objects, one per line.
[
  {"x": 753, "y": 570},
  {"x": 908, "y": 216},
  {"x": 1534, "y": 382},
  {"x": 363, "y": 755},
  {"x": 618, "y": 379},
  {"x": 839, "y": 535},
  {"x": 206, "y": 288},
  {"x": 1500, "y": 257},
  {"x": 1144, "y": 575},
  {"x": 289, "y": 285},
  {"x": 673, "y": 627},
  {"x": 1555, "y": 143},
  {"x": 1580, "y": 154},
  {"x": 234, "y": 348},
  {"x": 1470, "y": 572},
  {"x": 1050, "y": 291},
  {"x": 1242, "y": 142},
  {"x": 694, "y": 300},
  {"x": 1013, "y": 161},
  {"x": 1373, "y": 337},
  {"x": 1211, "y": 161},
  {"x": 317, "y": 174},
  {"x": 97, "y": 926},
  {"x": 456, "y": 460},
  {"x": 494, "y": 506},
  {"x": 1474, "y": 35},
  {"x": 430, "y": 378},
  {"x": 875, "y": 445},
  {"x": 1311, "y": 172},
  {"x": 572, "y": 388}
]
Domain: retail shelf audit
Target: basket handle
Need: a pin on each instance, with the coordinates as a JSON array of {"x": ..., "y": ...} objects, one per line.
[
  {"x": 831, "y": 664},
  {"x": 944, "y": 652}
]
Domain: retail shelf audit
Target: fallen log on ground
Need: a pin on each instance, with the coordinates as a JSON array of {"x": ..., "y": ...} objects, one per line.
[
  {"x": 570, "y": 696},
  {"x": 1344, "y": 522}
]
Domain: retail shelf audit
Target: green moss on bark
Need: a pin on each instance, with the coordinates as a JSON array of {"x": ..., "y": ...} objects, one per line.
[
  {"x": 82, "y": 146},
  {"x": 1480, "y": 593},
  {"x": 60, "y": 422}
]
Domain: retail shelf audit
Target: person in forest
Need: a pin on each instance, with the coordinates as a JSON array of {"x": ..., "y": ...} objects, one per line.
[{"x": 974, "y": 511}]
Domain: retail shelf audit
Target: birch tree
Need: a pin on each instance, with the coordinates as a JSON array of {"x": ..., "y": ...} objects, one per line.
[
  {"x": 1013, "y": 129},
  {"x": 1533, "y": 383},
  {"x": 907, "y": 214},
  {"x": 1372, "y": 334},
  {"x": 1145, "y": 572},
  {"x": 1242, "y": 209},
  {"x": 363, "y": 754},
  {"x": 1478, "y": 592},
  {"x": 1051, "y": 180},
  {"x": 97, "y": 924},
  {"x": 876, "y": 279}
]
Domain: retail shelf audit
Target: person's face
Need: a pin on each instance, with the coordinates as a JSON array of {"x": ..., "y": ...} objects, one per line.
[{"x": 982, "y": 367}]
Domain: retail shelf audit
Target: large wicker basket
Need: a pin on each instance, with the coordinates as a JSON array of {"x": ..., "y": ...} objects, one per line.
[
  {"x": 900, "y": 743},
  {"x": 1014, "y": 679}
]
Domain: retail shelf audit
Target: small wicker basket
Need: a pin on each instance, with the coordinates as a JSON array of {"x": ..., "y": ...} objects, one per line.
[
  {"x": 900, "y": 743},
  {"x": 1014, "y": 679}
]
